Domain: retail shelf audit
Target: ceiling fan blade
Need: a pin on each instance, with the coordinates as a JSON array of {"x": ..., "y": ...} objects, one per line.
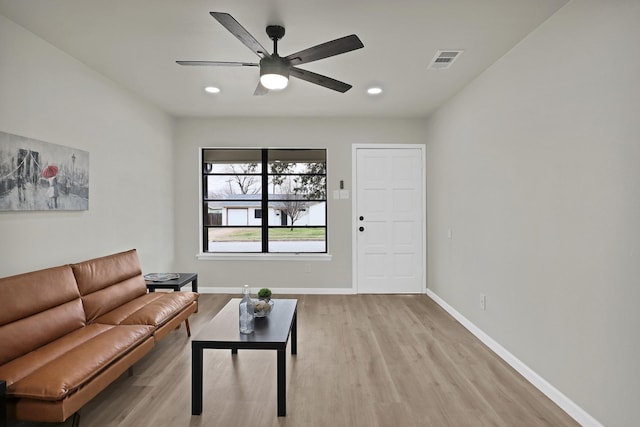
[
  {"x": 325, "y": 50},
  {"x": 319, "y": 79},
  {"x": 241, "y": 34},
  {"x": 219, "y": 63},
  {"x": 260, "y": 90}
]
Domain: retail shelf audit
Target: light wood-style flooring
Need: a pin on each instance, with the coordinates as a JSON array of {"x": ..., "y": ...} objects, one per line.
[{"x": 363, "y": 360}]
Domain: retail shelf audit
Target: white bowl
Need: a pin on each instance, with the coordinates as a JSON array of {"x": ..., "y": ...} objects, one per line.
[{"x": 262, "y": 308}]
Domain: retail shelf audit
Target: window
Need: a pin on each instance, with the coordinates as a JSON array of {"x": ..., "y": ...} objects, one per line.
[{"x": 264, "y": 200}]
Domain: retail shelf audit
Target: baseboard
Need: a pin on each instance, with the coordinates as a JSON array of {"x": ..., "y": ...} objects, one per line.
[
  {"x": 567, "y": 405},
  {"x": 276, "y": 291}
]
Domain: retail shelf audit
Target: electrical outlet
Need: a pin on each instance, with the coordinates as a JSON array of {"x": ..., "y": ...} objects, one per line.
[{"x": 483, "y": 302}]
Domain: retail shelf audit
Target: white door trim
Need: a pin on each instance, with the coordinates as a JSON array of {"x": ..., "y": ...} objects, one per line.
[{"x": 354, "y": 220}]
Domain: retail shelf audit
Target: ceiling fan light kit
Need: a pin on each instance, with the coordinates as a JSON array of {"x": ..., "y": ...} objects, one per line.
[
  {"x": 274, "y": 73},
  {"x": 275, "y": 70}
]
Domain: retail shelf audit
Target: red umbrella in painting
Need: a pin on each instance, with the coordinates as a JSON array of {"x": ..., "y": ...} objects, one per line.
[{"x": 50, "y": 171}]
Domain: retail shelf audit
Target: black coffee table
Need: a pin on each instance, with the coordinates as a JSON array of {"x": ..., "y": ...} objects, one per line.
[{"x": 222, "y": 332}]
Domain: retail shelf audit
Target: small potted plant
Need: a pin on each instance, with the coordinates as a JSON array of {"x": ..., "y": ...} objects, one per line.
[{"x": 264, "y": 294}]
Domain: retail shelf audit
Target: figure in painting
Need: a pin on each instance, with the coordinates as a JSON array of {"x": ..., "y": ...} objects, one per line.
[
  {"x": 52, "y": 193},
  {"x": 21, "y": 188},
  {"x": 50, "y": 173}
]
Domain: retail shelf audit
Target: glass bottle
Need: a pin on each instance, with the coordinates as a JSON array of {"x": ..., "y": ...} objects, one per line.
[{"x": 247, "y": 316}]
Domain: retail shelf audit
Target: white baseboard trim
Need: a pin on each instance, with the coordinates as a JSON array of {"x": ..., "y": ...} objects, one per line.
[
  {"x": 276, "y": 291},
  {"x": 567, "y": 405}
]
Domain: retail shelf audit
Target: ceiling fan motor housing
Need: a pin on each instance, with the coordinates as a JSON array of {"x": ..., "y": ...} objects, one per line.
[{"x": 275, "y": 65}]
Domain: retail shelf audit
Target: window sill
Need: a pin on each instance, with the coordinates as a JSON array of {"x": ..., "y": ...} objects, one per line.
[{"x": 262, "y": 257}]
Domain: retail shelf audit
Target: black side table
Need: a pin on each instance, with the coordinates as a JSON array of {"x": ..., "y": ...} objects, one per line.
[{"x": 175, "y": 284}]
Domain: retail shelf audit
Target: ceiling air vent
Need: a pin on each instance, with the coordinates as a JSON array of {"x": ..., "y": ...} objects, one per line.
[{"x": 443, "y": 59}]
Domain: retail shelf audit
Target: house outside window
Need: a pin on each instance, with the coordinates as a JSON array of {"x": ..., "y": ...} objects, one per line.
[{"x": 264, "y": 200}]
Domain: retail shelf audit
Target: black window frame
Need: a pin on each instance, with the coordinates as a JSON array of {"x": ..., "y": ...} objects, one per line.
[{"x": 265, "y": 200}]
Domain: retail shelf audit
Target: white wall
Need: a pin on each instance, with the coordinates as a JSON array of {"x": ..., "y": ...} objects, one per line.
[
  {"x": 535, "y": 168},
  {"x": 47, "y": 95},
  {"x": 337, "y": 135}
]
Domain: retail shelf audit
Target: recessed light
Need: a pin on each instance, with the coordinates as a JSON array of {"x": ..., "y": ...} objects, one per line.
[
  {"x": 375, "y": 90},
  {"x": 212, "y": 89}
]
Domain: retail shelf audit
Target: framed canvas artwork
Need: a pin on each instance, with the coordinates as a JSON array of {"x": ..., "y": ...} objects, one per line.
[{"x": 40, "y": 176}]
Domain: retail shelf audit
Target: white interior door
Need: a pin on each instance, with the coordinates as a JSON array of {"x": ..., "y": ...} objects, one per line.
[{"x": 389, "y": 209}]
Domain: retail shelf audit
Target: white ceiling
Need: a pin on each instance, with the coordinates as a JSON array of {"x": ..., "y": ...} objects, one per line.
[{"x": 136, "y": 43}]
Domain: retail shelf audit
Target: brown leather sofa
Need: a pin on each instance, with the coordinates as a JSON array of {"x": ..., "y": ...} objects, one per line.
[{"x": 67, "y": 332}]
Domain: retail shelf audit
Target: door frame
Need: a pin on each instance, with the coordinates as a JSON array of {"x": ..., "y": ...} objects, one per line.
[{"x": 354, "y": 204}]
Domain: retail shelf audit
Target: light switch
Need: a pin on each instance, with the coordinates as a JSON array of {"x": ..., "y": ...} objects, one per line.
[
  {"x": 336, "y": 194},
  {"x": 344, "y": 194}
]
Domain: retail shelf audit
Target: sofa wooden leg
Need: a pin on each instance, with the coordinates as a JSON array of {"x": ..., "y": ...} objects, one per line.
[
  {"x": 186, "y": 324},
  {"x": 75, "y": 420},
  {"x": 130, "y": 371}
]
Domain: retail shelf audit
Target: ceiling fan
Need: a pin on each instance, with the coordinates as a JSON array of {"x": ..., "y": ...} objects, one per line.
[{"x": 274, "y": 69}]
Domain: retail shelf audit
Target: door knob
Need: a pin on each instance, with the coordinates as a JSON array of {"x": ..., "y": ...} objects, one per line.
[
  {"x": 361, "y": 218},
  {"x": 361, "y": 228}
]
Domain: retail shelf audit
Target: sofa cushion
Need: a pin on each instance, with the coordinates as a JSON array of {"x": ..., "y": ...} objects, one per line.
[
  {"x": 155, "y": 309},
  {"x": 109, "y": 282},
  {"x": 20, "y": 367},
  {"x": 105, "y": 300},
  {"x": 25, "y": 335},
  {"x": 37, "y": 308},
  {"x": 67, "y": 364},
  {"x": 98, "y": 273}
]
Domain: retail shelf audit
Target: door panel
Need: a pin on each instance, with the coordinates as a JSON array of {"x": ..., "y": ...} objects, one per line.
[{"x": 390, "y": 237}]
